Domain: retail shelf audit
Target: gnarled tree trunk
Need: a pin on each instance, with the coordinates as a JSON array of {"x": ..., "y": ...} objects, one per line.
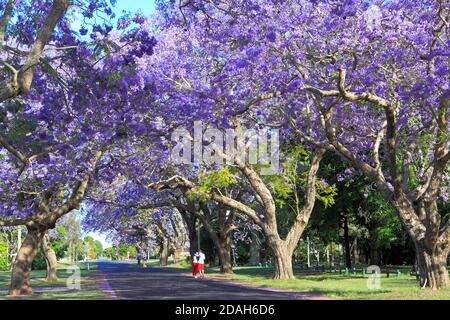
[
  {"x": 255, "y": 249},
  {"x": 282, "y": 260},
  {"x": 177, "y": 253},
  {"x": 20, "y": 275},
  {"x": 221, "y": 237},
  {"x": 432, "y": 265},
  {"x": 281, "y": 255},
  {"x": 224, "y": 249},
  {"x": 50, "y": 259},
  {"x": 193, "y": 242},
  {"x": 190, "y": 221},
  {"x": 138, "y": 255},
  {"x": 164, "y": 252},
  {"x": 432, "y": 244},
  {"x": 348, "y": 257}
]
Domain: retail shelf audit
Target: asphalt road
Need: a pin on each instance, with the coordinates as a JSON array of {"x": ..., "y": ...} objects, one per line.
[{"x": 125, "y": 281}]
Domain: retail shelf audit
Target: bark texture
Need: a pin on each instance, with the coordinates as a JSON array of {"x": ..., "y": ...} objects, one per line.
[
  {"x": 50, "y": 259},
  {"x": 255, "y": 249},
  {"x": 164, "y": 252},
  {"x": 20, "y": 275}
]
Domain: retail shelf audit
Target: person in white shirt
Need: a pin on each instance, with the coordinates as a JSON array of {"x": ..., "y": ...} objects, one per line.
[{"x": 201, "y": 264}]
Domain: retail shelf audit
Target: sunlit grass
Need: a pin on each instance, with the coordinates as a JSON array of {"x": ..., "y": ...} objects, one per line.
[
  {"x": 58, "y": 290},
  {"x": 333, "y": 285}
]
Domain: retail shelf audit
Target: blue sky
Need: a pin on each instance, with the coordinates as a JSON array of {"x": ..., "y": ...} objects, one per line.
[{"x": 146, "y": 6}]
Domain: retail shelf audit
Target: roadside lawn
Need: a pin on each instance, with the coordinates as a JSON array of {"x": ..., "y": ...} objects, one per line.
[
  {"x": 333, "y": 285},
  {"x": 43, "y": 290}
]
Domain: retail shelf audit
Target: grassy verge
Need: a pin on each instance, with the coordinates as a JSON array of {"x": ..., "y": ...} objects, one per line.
[
  {"x": 58, "y": 290},
  {"x": 333, "y": 285}
]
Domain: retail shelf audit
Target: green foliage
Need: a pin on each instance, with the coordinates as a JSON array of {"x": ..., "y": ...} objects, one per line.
[
  {"x": 61, "y": 230},
  {"x": 98, "y": 248},
  {"x": 111, "y": 253},
  {"x": 282, "y": 191},
  {"x": 186, "y": 263},
  {"x": 4, "y": 263},
  {"x": 20, "y": 127},
  {"x": 214, "y": 180},
  {"x": 105, "y": 48},
  {"x": 39, "y": 261},
  {"x": 285, "y": 184},
  {"x": 47, "y": 68},
  {"x": 385, "y": 224},
  {"x": 119, "y": 252},
  {"x": 292, "y": 180},
  {"x": 59, "y": 247},
  {"x": 326, "y": 193},
  {"x": 94, "y": 247},
  {"x": 133, "y": 251}
]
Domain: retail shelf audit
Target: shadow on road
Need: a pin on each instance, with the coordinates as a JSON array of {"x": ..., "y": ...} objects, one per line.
[{"x": 129, "y": 282}]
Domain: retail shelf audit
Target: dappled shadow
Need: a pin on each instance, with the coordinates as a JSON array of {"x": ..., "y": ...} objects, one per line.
[
  {"x": 157, "y": 283},
  {"x": 43, "y": 289},
  {"x": 344, "y": 294}
]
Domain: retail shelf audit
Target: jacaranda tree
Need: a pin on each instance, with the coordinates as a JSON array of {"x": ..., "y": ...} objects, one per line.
[
  {"x": 53, "y": 126},
  {"x": 365, "y": 79}
]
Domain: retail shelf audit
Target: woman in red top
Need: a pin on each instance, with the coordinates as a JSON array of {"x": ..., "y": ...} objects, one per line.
[{"x": 195, "y": 265}]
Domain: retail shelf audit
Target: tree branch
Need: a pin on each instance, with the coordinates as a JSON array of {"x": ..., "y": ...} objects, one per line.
[
  {"x": 26, "y": 72},
  {"x": 7, "y": 14},
  {"x": 303, "y": 215},
  {"x": 19, "y": 155}
]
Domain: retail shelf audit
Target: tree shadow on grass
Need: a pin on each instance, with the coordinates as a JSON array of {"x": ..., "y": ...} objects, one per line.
[
  {"x": 353, "y": 294},
  {"x": 328, "y": 277},
  {"x": 313, "y": 276}
]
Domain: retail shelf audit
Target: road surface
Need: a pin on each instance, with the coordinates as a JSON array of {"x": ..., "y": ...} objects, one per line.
[{"x": 125, "y": 281}]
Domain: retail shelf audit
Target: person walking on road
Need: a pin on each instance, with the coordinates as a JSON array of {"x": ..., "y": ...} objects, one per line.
[
  {"x": 195, "y": 264},
  {"x": 201, "y": 264}
]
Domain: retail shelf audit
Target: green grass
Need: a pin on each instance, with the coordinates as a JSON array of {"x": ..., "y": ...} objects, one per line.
[
  {"x": 58, "y": 290},
  {"x": 333, "y": 285},
  {"x": 154, "y": 263}
]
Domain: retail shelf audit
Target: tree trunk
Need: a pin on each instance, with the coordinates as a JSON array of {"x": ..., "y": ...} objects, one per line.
[
  {"x": 348, "y": 259},
  {"x": 193, "y": 242},
  {"x": 20, "y": 275},
  {"x": 374, "y": 255},
  {"x": 432, "y": 267},
  {"x": 281, "y": 257},
  {"x": 356, "y": 252},
  {"x": 432, "y": 244},
  {"x": 224, "y": 249},
  {"x": 190, "y": 222},
  {"x": 282, "y": 263},
  {"x": 138, "y": 255},
  {"x": 255, "y": 250},
  {"x": 177, "y": 253},
  {"x": 164, "y": 253},
  {"x": 50, "y": 259}
]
